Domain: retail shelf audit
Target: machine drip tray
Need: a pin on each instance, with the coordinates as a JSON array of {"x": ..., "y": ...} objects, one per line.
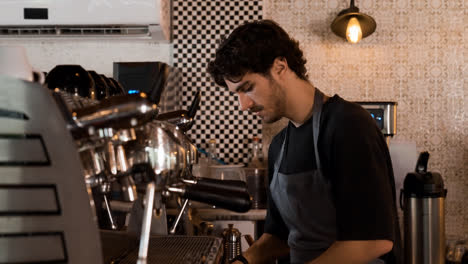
[{"x": 122, "y": 248}]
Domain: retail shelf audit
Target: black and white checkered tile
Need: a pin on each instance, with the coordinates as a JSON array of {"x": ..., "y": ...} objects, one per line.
[{"x": 198, "y": 27}]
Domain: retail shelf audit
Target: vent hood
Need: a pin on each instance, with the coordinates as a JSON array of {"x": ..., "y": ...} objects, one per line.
[{"x": 81, "y": 18}]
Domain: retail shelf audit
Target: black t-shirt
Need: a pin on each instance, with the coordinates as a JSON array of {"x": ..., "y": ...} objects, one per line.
[{"x": 355, "y": 158}]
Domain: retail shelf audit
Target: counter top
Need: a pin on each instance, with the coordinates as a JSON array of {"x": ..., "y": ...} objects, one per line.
[
  {"x": 205, "y": 213},
  {"x": 222, "y": 214},
  {"x": 213, "y": 214}
]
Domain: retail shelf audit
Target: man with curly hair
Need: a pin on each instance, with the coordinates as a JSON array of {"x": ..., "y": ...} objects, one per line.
[{"x": 331, "y": 186}]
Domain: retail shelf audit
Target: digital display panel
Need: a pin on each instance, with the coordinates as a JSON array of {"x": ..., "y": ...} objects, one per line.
[{"x": 378, "y": 116}]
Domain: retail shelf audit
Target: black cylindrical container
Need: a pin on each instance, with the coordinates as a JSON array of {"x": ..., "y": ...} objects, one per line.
[
  {"x": 423, "y": 203},
  {"x": 257, "y": 184}
]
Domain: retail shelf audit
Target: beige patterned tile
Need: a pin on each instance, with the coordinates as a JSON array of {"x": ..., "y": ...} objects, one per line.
[{"x": 418, "y": 57}]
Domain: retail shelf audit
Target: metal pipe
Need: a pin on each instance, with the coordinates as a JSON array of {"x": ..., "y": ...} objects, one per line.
[
  {"x": 146, "y": 226},
  {"x": 174, "y": 226},
  {"x": 109, "y": 212}
]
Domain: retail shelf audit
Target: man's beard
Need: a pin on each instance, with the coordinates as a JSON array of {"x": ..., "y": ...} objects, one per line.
[{"x": 276, "y": 100}]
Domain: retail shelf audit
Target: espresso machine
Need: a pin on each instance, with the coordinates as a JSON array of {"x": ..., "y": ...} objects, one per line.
[
  {"x": 61, "y": 154},
  {"x": 45, "y": 213},
  {"x": 124, "y": 138}
]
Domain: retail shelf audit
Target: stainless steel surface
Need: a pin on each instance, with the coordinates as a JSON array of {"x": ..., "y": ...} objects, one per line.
[
  {"x": 125, "y": 135},
  {"x": 159, "y": 219},
  {"x": 98, "y": 162},
  {"x": 211, "y": 214},
  {"x": 191, "y": 152},
  {"x": 109, "y": 213},
  {"x": 180, "y": 250},
  {"x": 131, "y": 141},
  {"x": 120, "y": 206},
  {"x": 176, "y": 190},
  {"x": 111, "y": 138},
  {"x": 189, "y": 181},
  {"x": 158, "y": 146},
  {"x": 389, "y": 110},
  {"x": 47, "y": 203},
  {"x": 129, "y": 191},
  {"x": 105, "y": 132},
  {"x": 74, "y": 102},
  {"x": 36, "y": 236},
  {"x": 176, "y": 222},
  {"x": 32, "y": 248},
  {"x": 146, "y": 226},
  {"x": 122, "y": 160},
  {"x": 116, "y": 112},
  {"x": 26, "y": 150},
  {"x": 184, "y": 123},
  {"x": 111, "y": 158},
  {"x": 424, "y": 231},
  {"x": 232, "y": 243},
  {"x": 390, "y": 117}
]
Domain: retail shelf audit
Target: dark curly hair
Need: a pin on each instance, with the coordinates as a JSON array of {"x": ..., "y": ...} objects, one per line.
[{"x": 252, "y": 48}]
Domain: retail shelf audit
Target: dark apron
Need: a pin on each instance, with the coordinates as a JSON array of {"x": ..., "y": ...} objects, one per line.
[{"x": 305, "y": 201}]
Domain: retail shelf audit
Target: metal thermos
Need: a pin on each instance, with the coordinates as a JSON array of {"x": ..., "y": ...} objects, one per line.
[
  {"x": 232, "y": 243},
  {"x": 422, "y": 201}
]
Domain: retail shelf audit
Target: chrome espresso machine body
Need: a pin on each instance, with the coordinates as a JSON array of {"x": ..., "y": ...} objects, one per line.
[
  {"x": 123, "y": 138},
  {"x": 45, "y": 214},
  {"x": 61, "y": 154}
]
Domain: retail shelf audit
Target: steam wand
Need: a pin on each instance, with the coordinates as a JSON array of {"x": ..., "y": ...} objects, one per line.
[
  {"x": 174, "y": 226},
  {"x": 146, "y": 226}
]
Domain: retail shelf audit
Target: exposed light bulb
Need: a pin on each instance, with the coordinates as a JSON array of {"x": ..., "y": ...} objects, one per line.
[{"x": 353, "y": 31}]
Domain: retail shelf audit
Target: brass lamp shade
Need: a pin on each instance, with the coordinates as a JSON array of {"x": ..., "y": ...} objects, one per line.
[{"x": 340, "y": 24}]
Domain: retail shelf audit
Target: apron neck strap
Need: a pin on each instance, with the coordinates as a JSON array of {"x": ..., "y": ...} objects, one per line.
[{"x": 316, "y": 114}]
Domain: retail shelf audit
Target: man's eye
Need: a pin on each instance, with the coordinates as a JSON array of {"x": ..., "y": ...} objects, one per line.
[{"x": 248, "y": 89}]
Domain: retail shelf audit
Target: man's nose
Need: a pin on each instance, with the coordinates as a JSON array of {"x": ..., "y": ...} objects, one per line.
[{"x": 245, "y": 102}]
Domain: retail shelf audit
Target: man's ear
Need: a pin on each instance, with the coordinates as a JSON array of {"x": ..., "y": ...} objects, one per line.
[{"x": 280, "y": 66}]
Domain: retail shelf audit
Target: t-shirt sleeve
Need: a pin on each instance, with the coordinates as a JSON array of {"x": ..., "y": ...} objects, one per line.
[
  {"x": 274, "y": 223},
  {"x": 362, "y": 178}
]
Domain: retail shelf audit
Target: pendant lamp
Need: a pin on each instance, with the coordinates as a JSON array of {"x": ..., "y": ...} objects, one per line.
[{"x": 352, "y": 25}]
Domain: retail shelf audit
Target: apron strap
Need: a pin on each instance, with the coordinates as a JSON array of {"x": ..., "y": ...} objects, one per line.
[
  {"x": 316, "y": 113},
  {"x": 280, "y": 157}
]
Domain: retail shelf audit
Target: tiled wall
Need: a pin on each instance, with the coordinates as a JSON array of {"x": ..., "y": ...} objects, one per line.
[
  {"x": 416, "y": 57},
  {"x": 198, "y": 25}
]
